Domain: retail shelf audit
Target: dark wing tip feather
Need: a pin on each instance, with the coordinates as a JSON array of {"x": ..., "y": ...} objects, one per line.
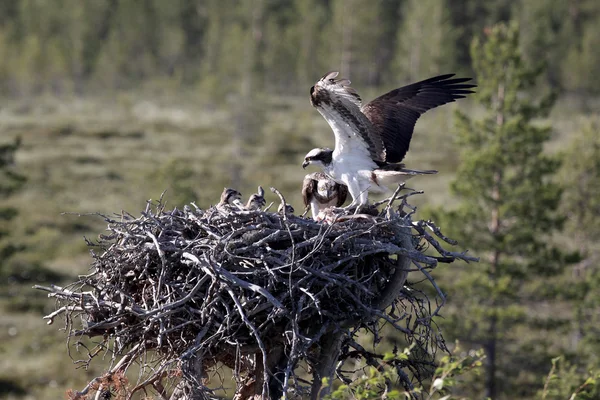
[
  {"x": 437, "y": 78},
  {"x": 395, "y": 113}
]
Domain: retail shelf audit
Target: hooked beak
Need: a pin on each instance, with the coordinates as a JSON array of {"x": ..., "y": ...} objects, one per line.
[
  {"x": 305, "y": 164},
  {"x": 330, "y": 192}
]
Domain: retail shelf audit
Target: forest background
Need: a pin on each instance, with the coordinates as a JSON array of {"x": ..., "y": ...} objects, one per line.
[{"x": 108, "y": 103}]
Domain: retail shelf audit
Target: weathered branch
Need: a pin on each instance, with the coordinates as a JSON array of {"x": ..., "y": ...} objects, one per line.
[{"x": 256, "y": 291}]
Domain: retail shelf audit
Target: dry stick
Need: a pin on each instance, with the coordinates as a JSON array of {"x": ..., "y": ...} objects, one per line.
[
  {"x": 293, "y": 351},
  {"x": 398, "y": 280},
  {"x": 438, "y": 233},
  {"x": 125, "y": 359},
  {"x": 233, "y": 279},
  {"x": 287, "y": 226},
  {"x": 179, "y": 302},
  {"x": 319, "y": 277},
  {"x": 393, "y": 197},
  {"x": 295, "y": 332},
  {"x": 58, "y": 290},
  {"x": 163, "y": 260},
  {"x": 438, "y": 290},
  {"x": 462, "y": 256},
  {"x": 153, "y": 380},
  {"x": 265, "y": 386},
  {"x": 50, "y": 317},
  {"x": 371, "y": 359},
  {"x": 317, "y": 246}
]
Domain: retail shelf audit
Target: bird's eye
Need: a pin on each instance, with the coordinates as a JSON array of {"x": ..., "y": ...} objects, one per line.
[{"x": 331, "y": 81}]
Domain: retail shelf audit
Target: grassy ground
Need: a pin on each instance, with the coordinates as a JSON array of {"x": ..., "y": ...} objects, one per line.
[{"x": 113, "y": 154}]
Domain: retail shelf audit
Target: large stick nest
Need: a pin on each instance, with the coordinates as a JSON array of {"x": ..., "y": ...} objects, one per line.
[{"x": 231, "y": 286}]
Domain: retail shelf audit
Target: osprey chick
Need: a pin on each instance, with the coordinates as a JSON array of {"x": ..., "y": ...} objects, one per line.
[
  {"x": 256, "y": 200},
  {"x": 230, "y": 197},
  {"x": 320, "y": 192},
  {"x": 288, "y": 209},
  {"x": 371, "y": 140}
]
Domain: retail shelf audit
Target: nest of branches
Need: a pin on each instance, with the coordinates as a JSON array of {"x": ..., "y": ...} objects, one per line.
[{"x": 273, "y": 296}]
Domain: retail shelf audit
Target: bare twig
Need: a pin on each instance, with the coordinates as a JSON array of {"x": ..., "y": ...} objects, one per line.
[{"x": 182, "y": 291}]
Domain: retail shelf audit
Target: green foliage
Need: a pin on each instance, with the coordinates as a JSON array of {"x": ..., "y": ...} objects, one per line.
[
  {"x": 508, "y": 202},
  {"x": 179, "y": 181},
  {"x": 65, "y": 46},
  {"x": 565, "y": 382},
  {"x": 580, "y": 176},
  {"x": 562, "y": 382},
  {"x": 78, "y": 159},
  {"x": 12, "y": 271},
  {"x": 416, "y": 58},
  {"x": 10, "y": 181},
  {"x": 381, "y": 382},
  {"x": 503, "y": 164}
]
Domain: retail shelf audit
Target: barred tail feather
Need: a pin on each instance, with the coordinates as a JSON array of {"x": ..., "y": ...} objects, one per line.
[{"x": 385, "y": 178}]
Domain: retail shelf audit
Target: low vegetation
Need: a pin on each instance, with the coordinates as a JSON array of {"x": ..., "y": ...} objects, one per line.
[{"x": 139, "y": 113}]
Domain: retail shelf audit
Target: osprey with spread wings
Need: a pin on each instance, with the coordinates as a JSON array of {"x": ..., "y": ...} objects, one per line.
[{"x": 371, "y": 140}]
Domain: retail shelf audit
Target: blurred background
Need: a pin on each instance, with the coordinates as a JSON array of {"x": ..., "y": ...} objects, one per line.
[{"x": 107, "y": 103}]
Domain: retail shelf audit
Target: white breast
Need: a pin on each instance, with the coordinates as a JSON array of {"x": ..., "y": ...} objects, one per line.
[{"x": 352, "y": 163}]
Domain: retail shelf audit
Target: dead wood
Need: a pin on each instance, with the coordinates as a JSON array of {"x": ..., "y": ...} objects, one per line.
[{"x": 182, "y": 292}]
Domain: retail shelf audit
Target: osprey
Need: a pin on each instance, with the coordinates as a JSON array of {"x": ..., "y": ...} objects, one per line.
[
  {"x": 288, "y": 209},
  {"x": 320, "y": 192},
  {"x": 230, "y": 197},
  {"x": 372, "y": 139},
  {"x": 257, "y": 200}
]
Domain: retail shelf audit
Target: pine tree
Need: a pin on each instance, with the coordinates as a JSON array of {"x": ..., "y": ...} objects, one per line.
[
  {"x": 312, "y": 52},
  {"x": 354, "y": 38},
  {"x": 507, "y": 214},
  {"x": 581, "y": 203},
  {"x": 415, "y": 58}
]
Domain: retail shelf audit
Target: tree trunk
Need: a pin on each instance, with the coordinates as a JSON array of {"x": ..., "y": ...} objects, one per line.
[
  {"x": 325, "y": 366},
  {"x": 491, "y": 342},
  {"x": 347, "y": 32},
  {"x": 490, "y": 360},
  {"x": 331, "y": 344}
]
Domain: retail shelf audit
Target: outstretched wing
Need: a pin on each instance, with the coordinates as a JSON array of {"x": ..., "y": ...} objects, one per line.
[
  {"x": 340, "y": 105},
  {"x": 394, "y": 114}
]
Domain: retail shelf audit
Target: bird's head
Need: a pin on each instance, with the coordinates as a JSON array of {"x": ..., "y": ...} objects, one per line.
[
  {"x": 318, "y": 157},
  {"x": 327, "y": 89},
  {"x": 288, "y": 209},
  {"x": 229, "y": 195},
  {"x": 256, "y": 202},
  {"x": 327, "y": 188}
]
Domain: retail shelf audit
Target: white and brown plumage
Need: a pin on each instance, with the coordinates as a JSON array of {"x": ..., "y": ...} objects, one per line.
[
  {"x": 319, "y": 192},
  {"x": 371, "y": 140},
  {"x": 230, "y": 197},
  {"x": 257, "y": 200},
  {"x": 288, "y": 209}
]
